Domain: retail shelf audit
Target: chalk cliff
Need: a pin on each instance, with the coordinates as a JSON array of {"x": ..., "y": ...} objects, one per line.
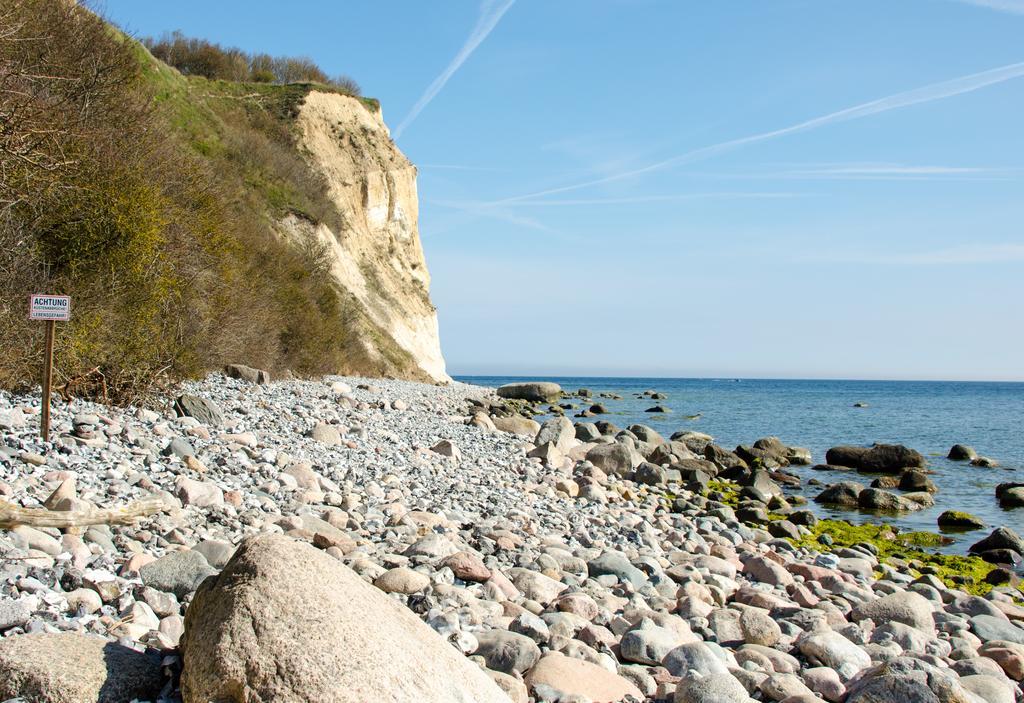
[{"x": 377, "y": 257}]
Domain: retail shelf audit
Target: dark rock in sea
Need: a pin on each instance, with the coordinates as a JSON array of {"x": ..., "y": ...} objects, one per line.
[
  {"x": 984, "y": 462},
  {"x": 826, "y": 467},
  {"x": 881, "y": 458},
  {"x": 917, "y": 481},
  {"x": 598, "y": 409},
  {"x": 961, "y": 452},
  {"x": 844, "y": 493},
  {"x": 607, "y": 428},
  {"x": 1000, "y": 538},
  {"x": 584, "y": 393},
  {"x": 1010, "y": 495},
  {"x": 860, "y": 405},
  {"x": 1001, "y": 556},
  {"x": 877, "y": 499},
  {"x": 658, "y": 409},
  {"x": 886, "y": 482}
]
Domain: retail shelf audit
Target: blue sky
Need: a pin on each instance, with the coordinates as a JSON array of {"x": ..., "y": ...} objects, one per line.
[{"x": 771, "y": 188}]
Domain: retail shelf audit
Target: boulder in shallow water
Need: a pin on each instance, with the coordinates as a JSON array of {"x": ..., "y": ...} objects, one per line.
[
  {"x": 844, "y": 493},
  {"x": 1000, "y": 538},
  {"x": 880, "y": 458},
  {"x": 959, "y": 520},
  {"x": 286, "y": 622},
  {"x": 534, "y": 391},
  {"x": 877, "y": 499},
  {"x": 961, "y": 452},
  {"x": 1010, "y": 495}
]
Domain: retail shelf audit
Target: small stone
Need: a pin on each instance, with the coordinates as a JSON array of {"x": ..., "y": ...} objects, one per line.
[{"x": 402, "y": 580}]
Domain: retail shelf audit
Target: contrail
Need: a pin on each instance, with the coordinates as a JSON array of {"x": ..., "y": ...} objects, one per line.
[
  {"x": 935, "y": 91},
  {"x": 1015, "y": 6},
  {"x": 491, "y": 12}
]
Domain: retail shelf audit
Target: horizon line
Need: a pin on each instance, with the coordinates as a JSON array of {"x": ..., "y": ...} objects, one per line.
[{"x": 731, "y": 378}]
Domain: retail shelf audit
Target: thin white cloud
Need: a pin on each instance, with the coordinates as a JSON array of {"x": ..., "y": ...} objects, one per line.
[
  {"x": 456, "y": 167},
  {"x": 929, "y": 93},
  {"x": 966, "y": 254},
  {"x": 1014, "y": 6},
  {"x": 651, "y": 199},
  {"x": 491, "y": 12},
  {"x": 879, "y": 172}
]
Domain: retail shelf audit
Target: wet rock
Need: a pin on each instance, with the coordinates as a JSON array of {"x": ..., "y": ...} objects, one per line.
[
  {"x": 844, "y": 493},
  {"x": 961, "y": 452},
  {"x": 1000, "y": 538},
  {"x": 881, "y": 458},
  {"x": 961, "y": 520}
]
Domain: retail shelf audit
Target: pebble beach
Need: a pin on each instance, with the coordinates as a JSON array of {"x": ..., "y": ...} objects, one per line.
[{"x": 349, "y": 539}]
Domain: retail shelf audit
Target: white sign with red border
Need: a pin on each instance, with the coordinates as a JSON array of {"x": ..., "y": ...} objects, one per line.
[{"x": 49, "y": 307}]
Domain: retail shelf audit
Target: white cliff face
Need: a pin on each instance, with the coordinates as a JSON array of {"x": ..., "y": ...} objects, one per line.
[{"x": 378, "y": 257}]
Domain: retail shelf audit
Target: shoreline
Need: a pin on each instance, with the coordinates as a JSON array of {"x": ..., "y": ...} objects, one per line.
[{"x": 639, "y": 584}]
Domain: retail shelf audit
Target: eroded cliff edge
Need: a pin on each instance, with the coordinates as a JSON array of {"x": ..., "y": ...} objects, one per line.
[{"x": 377, "y": 256}]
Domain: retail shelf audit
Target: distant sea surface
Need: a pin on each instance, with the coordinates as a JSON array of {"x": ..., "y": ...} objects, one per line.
[{"x": 927, "y": 416}]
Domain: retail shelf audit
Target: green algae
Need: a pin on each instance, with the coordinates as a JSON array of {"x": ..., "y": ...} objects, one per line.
[
  {"x": 729, "y": 492},
  {"x": 905, "y": 551}
]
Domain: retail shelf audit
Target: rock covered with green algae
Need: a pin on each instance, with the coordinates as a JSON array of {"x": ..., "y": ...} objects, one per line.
[{"x": 964, "y": 572}]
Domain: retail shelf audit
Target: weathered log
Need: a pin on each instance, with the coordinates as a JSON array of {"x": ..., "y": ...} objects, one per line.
[{"x": 13, "y": 515}]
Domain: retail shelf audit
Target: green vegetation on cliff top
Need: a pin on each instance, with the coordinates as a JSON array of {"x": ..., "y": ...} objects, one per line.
[{"x": 153, "y": 201}]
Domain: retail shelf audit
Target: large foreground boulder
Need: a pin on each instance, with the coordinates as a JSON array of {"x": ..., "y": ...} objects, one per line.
[
  {"x": 73, "y": 668},
  {"x": 534, "y": 391},
  {"x": 881, "y": 458},
  {"x": 285, "y": 622}
]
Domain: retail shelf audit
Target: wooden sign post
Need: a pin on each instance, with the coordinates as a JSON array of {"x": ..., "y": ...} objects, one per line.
[{"x": 51, "y": 309}]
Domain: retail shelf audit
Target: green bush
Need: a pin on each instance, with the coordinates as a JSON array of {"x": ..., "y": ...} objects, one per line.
[{"x": 152, "y": 201}]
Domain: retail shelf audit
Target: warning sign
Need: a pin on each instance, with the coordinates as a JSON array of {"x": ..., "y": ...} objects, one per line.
[{"x": 49, "y": 307}]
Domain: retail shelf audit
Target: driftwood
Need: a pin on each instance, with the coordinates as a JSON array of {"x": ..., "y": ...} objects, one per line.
[{"x": 13, "y": 515}]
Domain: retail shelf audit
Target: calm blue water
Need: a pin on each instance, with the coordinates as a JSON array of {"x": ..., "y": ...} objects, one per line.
[{"x": 928, "y": 416}]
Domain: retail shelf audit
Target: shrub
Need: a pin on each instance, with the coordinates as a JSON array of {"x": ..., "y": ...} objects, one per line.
[{"x": 199, "y": 57}]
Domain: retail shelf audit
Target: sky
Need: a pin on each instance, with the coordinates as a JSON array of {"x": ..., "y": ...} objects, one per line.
[{"x": 742, "y": 188}]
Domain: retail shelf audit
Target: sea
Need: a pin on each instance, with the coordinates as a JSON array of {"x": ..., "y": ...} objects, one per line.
[{"x": 930, "y": 416}]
